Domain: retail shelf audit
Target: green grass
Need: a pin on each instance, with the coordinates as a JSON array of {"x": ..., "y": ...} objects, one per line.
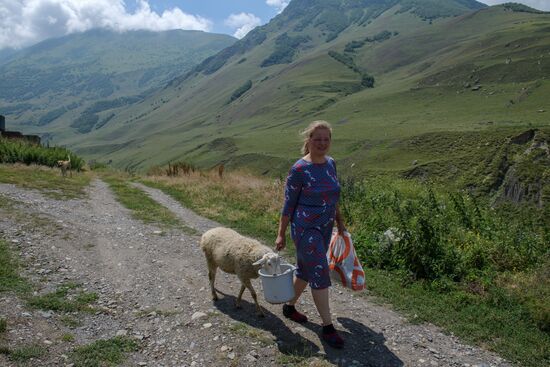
[
  {"x": 64, "y": 299},
  {"x": 223, "y": 202},
  {"x": 25, "y": 353},
  {"x": 3, "y": 325},
  {"x": 244, "y": 330},
  {"x": 49, "y": 181},
  {"x": 109, "y": 352},
  {"x": 497, "y": 321},
  {"x": 68, "y": 338},
  {"x": 70, "y": 321},
  {"x": 142, "y": 206},
  {"x": 297, "y": 355},
  {"x": 9, "y": 272}
]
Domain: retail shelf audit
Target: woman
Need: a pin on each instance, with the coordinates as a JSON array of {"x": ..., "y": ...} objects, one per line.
[{"x": 311, "y": 206}]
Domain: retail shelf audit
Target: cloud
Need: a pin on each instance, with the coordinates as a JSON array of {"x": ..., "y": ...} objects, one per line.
[
  {"x": 537, "y": 4},
  {"x": 279, "y": 4},
  {"x": 25, "y": 22},
  {"x": 244, "y": 22}
]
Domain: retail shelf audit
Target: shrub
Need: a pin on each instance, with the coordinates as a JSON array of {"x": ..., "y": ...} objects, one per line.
[
  {"x": 241, "y": 90},
  {"x": 429, "y": 236},
  {"x": 285, "y": 48},
  {"x": 21, "y": 151},
  {"x": 367, "y": 81}
]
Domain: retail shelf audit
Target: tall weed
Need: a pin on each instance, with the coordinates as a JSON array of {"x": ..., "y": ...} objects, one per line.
[{"x": 406, "y": 226}]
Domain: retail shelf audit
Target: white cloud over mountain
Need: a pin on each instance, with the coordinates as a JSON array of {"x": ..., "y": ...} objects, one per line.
[
  {"x": 244, "y": 22},
  {"x": 279, "y": 4},
  {"x": 25, "y": 22}
]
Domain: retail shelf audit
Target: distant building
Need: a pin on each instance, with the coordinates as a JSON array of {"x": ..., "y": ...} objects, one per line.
[{"x": 16, "y": 134}]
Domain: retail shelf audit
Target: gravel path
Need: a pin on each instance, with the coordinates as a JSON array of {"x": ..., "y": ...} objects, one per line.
[{"x": 152, "y": 286}]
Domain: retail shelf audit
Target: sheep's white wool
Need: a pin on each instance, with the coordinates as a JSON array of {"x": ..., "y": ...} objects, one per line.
[{"x": 236, "y": 254}]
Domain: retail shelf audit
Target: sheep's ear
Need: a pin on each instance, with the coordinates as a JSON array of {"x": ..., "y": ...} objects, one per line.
[{"x": 261, "y": 261}]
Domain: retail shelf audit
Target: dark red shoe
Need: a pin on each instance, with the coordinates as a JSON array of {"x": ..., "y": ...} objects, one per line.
[
  {"x": 333, "y": 339},
  {"x": 291, "y": 313}
]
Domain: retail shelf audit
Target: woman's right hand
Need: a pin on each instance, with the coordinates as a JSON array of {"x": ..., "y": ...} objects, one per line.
[{"x": 280, "y": 243}]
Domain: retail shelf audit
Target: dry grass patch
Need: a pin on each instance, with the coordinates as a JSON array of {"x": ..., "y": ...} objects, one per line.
[
  {"x": 249, "y": 204},
  {"x": 45, "y": 179}
]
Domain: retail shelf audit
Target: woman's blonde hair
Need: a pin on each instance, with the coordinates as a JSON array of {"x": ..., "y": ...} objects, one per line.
[{"x": 308, "y": 132}]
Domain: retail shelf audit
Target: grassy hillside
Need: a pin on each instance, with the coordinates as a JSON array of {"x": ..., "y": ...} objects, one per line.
[
  {"x": 77, "y": 80},
  {"x": 459, "y": 78}
]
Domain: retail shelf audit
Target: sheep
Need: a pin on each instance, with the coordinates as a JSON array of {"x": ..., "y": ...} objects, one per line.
[{"x": 235, "y": 254}]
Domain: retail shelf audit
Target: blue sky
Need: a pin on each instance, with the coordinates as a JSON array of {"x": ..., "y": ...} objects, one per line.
[
  {"x": 26, "y": 22},
  {"x": 219, "y": 11}
]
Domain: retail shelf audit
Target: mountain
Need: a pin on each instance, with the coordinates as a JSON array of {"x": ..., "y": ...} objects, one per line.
[
  {"x": 5, "y": 54},
  {"x": 417, "y": 88},
  {"x": 66, "y": 80}
]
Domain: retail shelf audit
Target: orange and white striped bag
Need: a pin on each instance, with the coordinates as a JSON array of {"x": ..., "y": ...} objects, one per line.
[{"x": 343, "y": 260}]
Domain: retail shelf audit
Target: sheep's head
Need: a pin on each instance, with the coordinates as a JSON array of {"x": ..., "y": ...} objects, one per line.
[{"x": 271, "y": 262}]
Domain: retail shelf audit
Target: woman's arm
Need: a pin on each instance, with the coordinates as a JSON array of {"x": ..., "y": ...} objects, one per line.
[
  {"x": 293, "y": 187},
  {"x": 280, "y": 242},
  {"x": 339, "y": 220}
]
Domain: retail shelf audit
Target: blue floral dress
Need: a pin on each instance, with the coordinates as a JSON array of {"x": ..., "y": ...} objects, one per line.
[{"x": 311, "y": 193}]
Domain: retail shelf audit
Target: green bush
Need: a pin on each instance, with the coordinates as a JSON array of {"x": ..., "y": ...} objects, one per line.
[
  {"x": 285, "y": 48},
  {"x": 241, "y": 90},
  {"x": 85, "y": 122},
  {"x": 404, "y": 226},
  {"x": 51, "y": 115},
  {"x": 367, "y": 81},
  {"x": 22, "y": 151},
  {"x": 379, "y": 37}
]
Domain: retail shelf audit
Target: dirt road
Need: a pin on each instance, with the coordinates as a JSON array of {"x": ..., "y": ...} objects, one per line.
[{"x": 153, "y": 287}]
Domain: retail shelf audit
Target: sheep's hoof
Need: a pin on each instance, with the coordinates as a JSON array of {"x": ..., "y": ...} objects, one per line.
[
  {"x": 215, "y": 298},
  {"x": 261, "y": 314}
]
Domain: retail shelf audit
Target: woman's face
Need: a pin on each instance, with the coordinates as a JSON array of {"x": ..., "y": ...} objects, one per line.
[{"x": 319, "y": 142}]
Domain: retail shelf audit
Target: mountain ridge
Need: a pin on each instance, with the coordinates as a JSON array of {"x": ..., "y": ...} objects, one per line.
[
  {"x": 213, "y": 86},
  {"x": 71, "y": 73},
  {"x": 385, "y": 83}
]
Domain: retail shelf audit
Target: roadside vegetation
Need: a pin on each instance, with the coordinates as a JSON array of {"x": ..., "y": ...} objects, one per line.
[
  {"x": 241, "y": 201},
  {"x": 37, "y": 163},
  {"x": 23, "y": 354},
  {"x": 10, "y": 281},
  {"x": 142, "y": 206},
  {"x": 436, "y": 254},
  {"x": 66, "y": 299},
  {"x": 22, "y": 151},
  {"x": 108, "y": 352}
]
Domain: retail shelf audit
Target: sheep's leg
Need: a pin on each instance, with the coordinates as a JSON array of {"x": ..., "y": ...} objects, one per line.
[
  {"x": 239, "y": 297},
  {"x": 212, "y": 278},
  {"x": 253, "y": 293}
]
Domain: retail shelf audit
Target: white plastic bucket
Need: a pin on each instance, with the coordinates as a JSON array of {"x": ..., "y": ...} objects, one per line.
[{"x": 278, "y": 288}]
